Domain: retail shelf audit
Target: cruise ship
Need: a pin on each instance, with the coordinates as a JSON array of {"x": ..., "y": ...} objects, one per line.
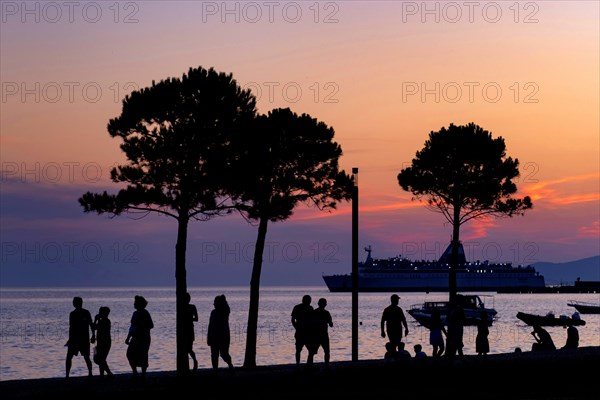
[{"x": 400, "y": 274}]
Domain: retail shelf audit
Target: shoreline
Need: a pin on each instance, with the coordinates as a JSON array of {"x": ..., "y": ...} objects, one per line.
[{"x": 559, "y": 374}]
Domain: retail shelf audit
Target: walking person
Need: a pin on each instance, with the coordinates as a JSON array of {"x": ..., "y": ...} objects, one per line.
[
  {"x": 189, "y": 334},
  {"x": 436, "y": 328},
  {"x": 321, "y": 322},
  {"x": 138, "y": 338},
  {"x": 482, "y": 343},
  {"x": 301, "y": 319},
  {"x": 218, "y": 336},
  {"x": 80, "y": 325},
  {"x": 102, "y": 325},
  {"x": 392, "y": 320},
  {"x": 454, "y": 342}
]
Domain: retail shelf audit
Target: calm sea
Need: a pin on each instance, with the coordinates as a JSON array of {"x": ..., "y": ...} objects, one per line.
[{"x": 34, "y": 325}]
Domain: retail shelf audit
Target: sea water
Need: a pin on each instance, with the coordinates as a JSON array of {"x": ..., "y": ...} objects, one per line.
[{"x": 34, "y": 325}]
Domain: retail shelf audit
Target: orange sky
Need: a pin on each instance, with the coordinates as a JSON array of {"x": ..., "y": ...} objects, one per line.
[{"x": 383, "y": 74}]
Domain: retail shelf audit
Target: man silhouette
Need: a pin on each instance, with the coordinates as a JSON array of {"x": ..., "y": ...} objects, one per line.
[
  {"x": 80, "y": 325},
  {"x": 392, "y": 320},
  {"x": 301, "y": 320}
]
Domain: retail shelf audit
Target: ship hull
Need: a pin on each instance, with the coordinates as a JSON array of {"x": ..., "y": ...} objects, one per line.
[{"x": 435, "y": 282}]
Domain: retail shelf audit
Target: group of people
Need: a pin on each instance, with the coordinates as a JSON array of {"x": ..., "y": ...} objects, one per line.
[
  {"x": 84, "y": 331},
  {"x": 395, "y": 354},
  {"x": 312, "y": 329},
  {"x": 393, "y": 320},
  {"x": 543, "y": 340},
  {"x": 311, "y": 332},
  {"x": 79, "y": 342}
]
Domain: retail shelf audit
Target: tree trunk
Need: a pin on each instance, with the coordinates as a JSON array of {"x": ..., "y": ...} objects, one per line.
[
  {"x": 180, "y": 291},
  {"x": 454, "y": 257},
  {"x": 252, "y": 327}
]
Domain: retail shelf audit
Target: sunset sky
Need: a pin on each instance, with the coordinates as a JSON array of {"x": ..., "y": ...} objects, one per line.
[{"x": 383, "y": 74}]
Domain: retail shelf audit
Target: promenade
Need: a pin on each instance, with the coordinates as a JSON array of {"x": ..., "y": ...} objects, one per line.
[{"x": 560, "y": 374}]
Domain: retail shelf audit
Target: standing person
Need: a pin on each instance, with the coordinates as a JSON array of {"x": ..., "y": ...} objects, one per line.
[
  {"x": 454, "y": 342},
  {"x": 301, "y": 318},
  {"x": 321, "y": 322},
  {"x": 80, "y": 325},
  {"x": 392, "y": 320},
  {"x": 218, "y": 335},
  {"x": 436, "y": 328},
  {"x": 138, "y": 338},
  {"x": 189, "y": 334},
  {"x": 102, "y": 326},
  {"x": 543, "y": 339},
  {"x": 482, "y": 343},
  {"x": 572, "y": 338}
]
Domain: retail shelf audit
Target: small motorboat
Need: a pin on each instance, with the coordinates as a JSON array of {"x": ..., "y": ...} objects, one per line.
[
  {"x": 584, "y": 307},
  {"x": 471, "y": 304},
  {"x": 550, "y": 319}
]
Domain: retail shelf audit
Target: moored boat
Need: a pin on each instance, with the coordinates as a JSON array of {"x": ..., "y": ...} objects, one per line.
[
  {"x": 550, "y": 319},
  {"x": 400, "y": 274},
  {"x": 471, "y": 304},
  {"x": 584, "y": 307}
]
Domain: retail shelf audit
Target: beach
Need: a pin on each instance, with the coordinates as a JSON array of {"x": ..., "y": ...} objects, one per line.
[{"x": 560, "y": 374}]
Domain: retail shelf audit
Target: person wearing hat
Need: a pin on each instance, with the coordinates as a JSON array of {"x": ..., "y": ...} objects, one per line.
[{"x": 392, "y": 320}]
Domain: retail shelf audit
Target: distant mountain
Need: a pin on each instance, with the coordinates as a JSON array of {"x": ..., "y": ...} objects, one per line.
[{"x": 586, "y": 269}]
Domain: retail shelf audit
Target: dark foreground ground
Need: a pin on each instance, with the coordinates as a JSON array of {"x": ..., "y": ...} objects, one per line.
[{"x": 561, "y": 374}]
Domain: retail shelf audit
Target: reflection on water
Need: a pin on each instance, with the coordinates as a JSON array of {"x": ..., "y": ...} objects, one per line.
[{"x": 34, "y": 325}]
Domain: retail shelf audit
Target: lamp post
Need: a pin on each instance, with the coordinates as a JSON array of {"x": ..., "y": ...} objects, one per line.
[{"x": 355, "y": 265}]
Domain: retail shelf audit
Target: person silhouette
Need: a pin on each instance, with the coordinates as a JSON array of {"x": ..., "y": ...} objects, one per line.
[
  {"x": 321, "y": 321},
  {"x": 392, "y": 320},
  {"x": 454, "y": 337},
  {"x": 572, "y": 338},
  {"x": 301, "y": 319},
  {"x": 419, "y": 353},
  {"x": 543, "y": 339},
  {"x": 218, "y": 335},
  {"x": 80, "y": 325},
  {"x": 436, "y": 328},
  {"x": 189, "y": 334},
  {"x": 482, "y": 343},
  {"x": 402, "y": 352},
  {"x": 391, "y": 354},
  {"x": 102, "y": 325},
  {"x": 138, "y": 338}
]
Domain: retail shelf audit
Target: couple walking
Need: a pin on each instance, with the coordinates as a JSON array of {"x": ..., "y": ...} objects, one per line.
[{"x": 312, "y": 329}]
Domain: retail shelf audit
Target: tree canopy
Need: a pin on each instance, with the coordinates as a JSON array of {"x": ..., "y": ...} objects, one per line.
[
  {"x": 464, "y": 173},
  {"x": 176, "y": 135},
  {"x": 290, "y": 159}
]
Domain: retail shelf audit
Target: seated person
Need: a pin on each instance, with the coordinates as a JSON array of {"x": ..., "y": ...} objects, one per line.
[
  {"x": 419, "y": 353},
  {"x": 572, "y": 338},
  {"x": 543, "y": 339},
  {"x": 402, "y": 352},
  {"x": 391, "y": 354}
]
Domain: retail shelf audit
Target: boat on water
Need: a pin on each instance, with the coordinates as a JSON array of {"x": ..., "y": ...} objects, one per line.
[
  {"x": 585, "y": 307},
  {"x": 400, "y": 274},
  {"x": 472, "y": 304},
  {"x": 550, "y": 319}
]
